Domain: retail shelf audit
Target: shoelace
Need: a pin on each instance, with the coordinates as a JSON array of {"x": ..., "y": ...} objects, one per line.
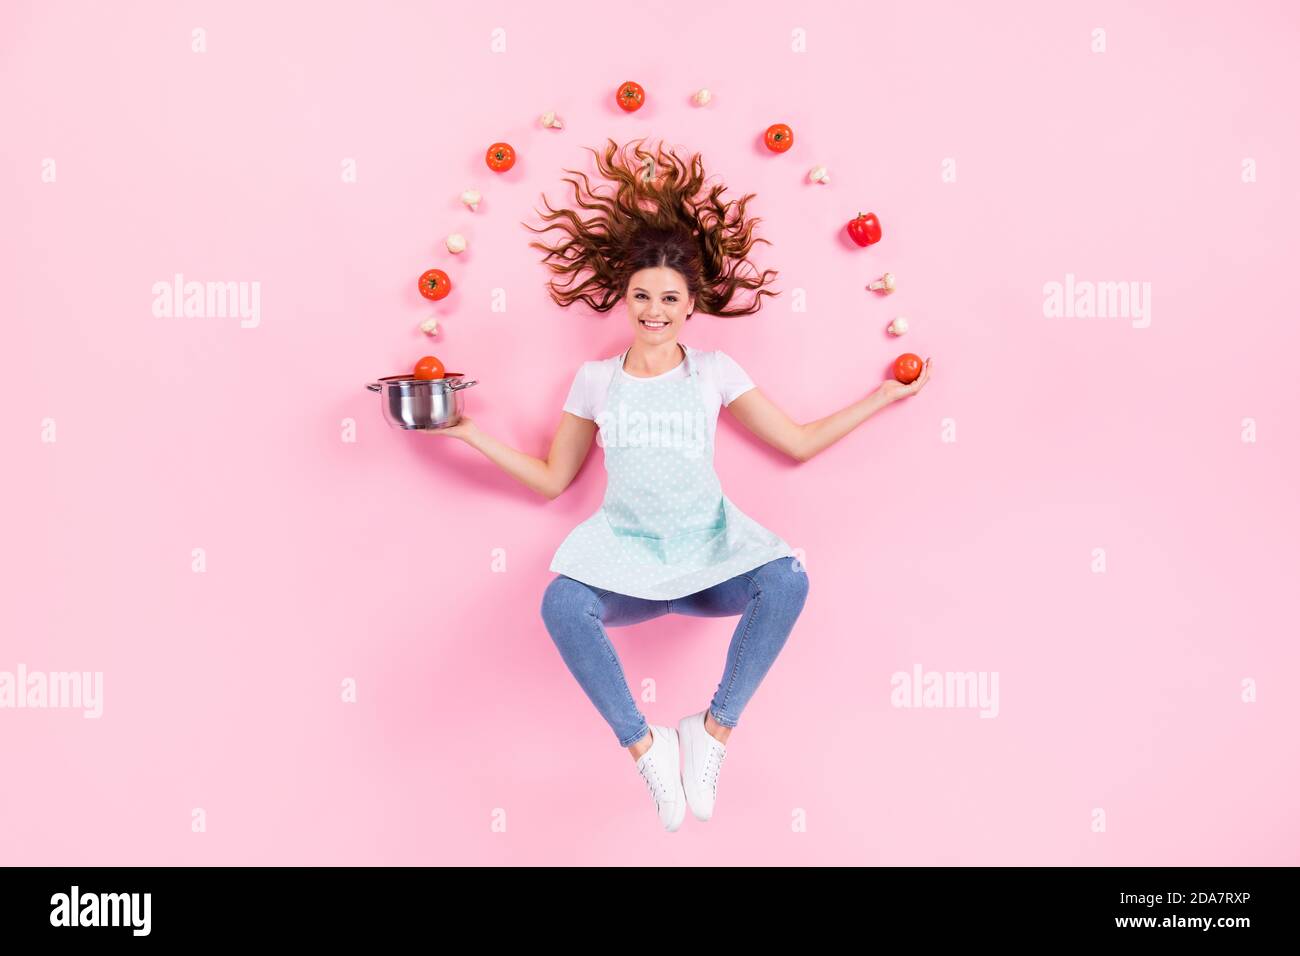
[
  {"x": 713, "y": 766},
  {"x": 654, "y": 785}
]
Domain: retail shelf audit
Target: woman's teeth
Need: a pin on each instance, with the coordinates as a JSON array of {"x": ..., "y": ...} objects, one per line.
[{"x": 654, "y": 325}]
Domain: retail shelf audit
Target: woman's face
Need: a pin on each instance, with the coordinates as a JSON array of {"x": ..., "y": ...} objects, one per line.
[{"x": 657, "y": 304}]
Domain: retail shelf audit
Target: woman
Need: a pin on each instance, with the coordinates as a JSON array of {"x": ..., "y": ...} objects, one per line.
[{"x": 666, "y": 539}]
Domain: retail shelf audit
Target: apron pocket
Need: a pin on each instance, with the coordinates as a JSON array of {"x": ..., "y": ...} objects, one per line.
[{"x": 690, "y": 549}]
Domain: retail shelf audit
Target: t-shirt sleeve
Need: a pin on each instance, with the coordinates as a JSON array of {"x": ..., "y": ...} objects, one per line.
[
  {"x": 579, "y": 400},
  {"x": 732, "y": 380}
]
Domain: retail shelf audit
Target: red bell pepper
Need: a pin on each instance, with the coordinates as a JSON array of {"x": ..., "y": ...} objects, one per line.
[{"x": 865, "y": 230}]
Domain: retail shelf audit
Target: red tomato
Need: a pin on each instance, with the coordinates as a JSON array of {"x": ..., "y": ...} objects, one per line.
[
  {"x": 500, "y": 157},
  {"x": 435, "y": 285},
  {"x": 907, "y": 368},
  {"x": 778, "y": 137},
  {"x": 865, "y": 230},
  {"x": 429, "y": 367},
  {"x": 630, "y": 96}
]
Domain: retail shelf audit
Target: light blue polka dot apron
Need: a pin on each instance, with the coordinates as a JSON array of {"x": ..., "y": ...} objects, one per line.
[{"x": 665, "y": 529}]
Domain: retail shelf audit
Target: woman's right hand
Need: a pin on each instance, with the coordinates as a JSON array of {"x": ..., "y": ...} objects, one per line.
[
  {"x": 465, "y": 429},
  {"x": 568, "y": 448}
]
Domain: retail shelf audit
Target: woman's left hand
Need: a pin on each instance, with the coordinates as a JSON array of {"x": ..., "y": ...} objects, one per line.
[{"x": 893, "y": 390}]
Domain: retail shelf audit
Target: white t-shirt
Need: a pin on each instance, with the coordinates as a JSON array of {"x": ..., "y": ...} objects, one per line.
[{"x": 722, "y": 381}]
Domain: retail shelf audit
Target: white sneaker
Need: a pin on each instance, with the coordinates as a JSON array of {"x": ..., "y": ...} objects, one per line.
[
  {"x": 663, "y": 776},
  {"x": 702, "y": 756}
]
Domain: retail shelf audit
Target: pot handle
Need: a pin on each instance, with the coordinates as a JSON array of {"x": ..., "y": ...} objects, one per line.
[
  {"x": 375, "y": 387},
  {"x": 457, "y": 385}
]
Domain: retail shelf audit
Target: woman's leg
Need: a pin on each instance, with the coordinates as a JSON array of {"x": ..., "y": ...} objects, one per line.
[
  {"x": 576, "y": 615},
  {"x": 769, "y": 600}
]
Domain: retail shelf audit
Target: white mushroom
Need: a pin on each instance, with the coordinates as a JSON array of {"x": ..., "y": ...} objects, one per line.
[
  {"x": 455, "y": 242},
  {"x": 471, "y": 198},
  {"x": 702, "y": 98},
  {"x": 818, "y": 174},
  {"x": 884, "y": 284},
  {"x": 429, "y": 326},
  {"x": 551, "y": 121},
  {"x": 898, "y": 326}
]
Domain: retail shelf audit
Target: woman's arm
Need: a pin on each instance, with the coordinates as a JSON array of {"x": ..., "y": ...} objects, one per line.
[
  {"x": 549, "y": 478},
  {"x": 757, "y": 412}
]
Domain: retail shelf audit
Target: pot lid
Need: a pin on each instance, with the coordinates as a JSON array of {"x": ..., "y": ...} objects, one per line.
[{"x": 409, "y": 379}]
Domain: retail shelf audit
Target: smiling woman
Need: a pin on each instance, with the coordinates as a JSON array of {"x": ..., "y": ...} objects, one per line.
[{"x": 666, "y": 538}]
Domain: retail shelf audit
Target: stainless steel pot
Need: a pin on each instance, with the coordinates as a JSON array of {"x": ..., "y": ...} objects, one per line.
[{"x": 421, "y": 403}]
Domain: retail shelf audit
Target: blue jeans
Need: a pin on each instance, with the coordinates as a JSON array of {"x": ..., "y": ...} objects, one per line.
[{"x": 769, "y": 599}]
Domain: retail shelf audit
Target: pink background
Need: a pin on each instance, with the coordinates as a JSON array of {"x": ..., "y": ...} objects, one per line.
[{"x": 372, "y": 560}]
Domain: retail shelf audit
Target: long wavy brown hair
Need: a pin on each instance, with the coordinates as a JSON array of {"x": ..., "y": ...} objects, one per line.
[{"x": 657, "y": 214}]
